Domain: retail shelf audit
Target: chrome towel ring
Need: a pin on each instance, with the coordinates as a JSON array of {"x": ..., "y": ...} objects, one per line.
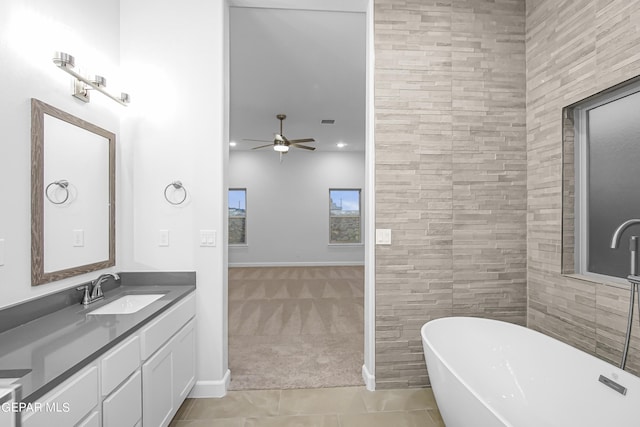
[
  {"x": 177, "y": 185},
  {"x": 62, "y": 184}
]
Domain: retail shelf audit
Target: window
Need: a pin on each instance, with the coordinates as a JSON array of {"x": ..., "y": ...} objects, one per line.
[
  {"x": 237, "y": 216},
  {"x": 607, "y": 177},
  {"x": 344, "y": 216}
]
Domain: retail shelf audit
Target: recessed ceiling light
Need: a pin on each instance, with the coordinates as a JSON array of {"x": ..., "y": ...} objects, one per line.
[
  {"x": 233, "y": 144},
  {"x": 341, "y": 145},
  {"x": 328, "y": 121}
]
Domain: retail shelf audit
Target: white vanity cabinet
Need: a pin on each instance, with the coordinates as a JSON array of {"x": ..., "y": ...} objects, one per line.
[
  {"x": 142, "y": 381},
  {"x": 168, "y": 374}
]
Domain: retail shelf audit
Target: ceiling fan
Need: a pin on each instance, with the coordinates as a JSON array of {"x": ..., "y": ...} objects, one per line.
[{"x": 281, "y": 143}]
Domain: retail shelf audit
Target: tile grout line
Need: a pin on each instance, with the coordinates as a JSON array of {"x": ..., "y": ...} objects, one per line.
[{"x": 279, "y": 401}]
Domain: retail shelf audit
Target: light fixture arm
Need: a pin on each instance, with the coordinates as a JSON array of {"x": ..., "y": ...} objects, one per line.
[{"x": 66, "y": 63}]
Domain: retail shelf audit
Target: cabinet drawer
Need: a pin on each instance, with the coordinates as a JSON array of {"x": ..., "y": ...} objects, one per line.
[
  {"x": 123, "y": 408},
  {"x": 154, "y": 335},
  {"x": 67, "y": 404},
  {"x": 119, "y": 363}
]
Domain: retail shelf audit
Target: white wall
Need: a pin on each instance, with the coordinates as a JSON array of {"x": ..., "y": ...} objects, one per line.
[
  {"x": 173, "y": 59},
  {"x": 288, "y": 206},
  {"x": 30, "y": 32}
]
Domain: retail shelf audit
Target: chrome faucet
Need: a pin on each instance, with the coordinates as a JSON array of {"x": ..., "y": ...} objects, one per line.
[
  {"x": 633, "y": 279},
  {"x": 633, "y": 244},
  {"x": 93, "y": 291}
]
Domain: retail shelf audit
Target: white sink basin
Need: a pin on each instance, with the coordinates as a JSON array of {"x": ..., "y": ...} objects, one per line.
[{"x": 127, "y": 304}]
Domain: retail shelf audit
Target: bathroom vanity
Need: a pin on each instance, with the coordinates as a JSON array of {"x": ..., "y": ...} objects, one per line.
[{"x": 125, "y": 365}]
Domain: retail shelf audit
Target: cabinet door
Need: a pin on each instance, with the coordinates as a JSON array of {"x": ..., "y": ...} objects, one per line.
[
  {"x": 7, "y": 413},
  {"x": 157, "y": 386},
  {"x": 167, "y": 378},
  {"x": 184, "y": 366},
  {"x": 123, "y": 407}
]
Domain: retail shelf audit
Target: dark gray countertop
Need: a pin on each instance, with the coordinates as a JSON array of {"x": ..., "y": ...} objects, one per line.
[{"x": 54, "y": 347}]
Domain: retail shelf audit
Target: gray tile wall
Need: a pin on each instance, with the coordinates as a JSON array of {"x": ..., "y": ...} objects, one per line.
[
  {"x": 573, "y": 50},
  {"x": 450, "y": 171}
]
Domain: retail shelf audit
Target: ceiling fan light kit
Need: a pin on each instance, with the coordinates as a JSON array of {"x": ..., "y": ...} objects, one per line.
[
  {"x": 280, "y": 142},
  {"x": 281, "y": 147}
]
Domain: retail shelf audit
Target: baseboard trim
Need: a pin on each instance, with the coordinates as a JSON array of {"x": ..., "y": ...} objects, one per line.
[
  {"x": 298, "y": 264},
  {"x": 369, "y": 379},
  {"x": 217, "y": 388}
]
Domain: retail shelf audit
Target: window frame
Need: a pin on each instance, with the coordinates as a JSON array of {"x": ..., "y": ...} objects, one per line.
[
  {"x": 359, "y": 216},
  {"x": 245, "y": 243},
  {"x": 581, "y": 168}
]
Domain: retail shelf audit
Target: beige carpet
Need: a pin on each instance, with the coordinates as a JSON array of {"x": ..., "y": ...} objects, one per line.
[{"x": 295, "y": 327}]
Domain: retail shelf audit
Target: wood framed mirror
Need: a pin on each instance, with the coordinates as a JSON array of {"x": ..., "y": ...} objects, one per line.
[{"x": 72, "y": 195}]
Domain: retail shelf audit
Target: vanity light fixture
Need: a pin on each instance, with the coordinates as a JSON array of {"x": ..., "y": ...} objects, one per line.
[
  {"x": 341, "y": 145},
  {"x": 83, "y": 85}
]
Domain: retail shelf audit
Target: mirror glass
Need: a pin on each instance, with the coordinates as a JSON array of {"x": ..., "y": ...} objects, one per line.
[{"x": 73, "y": 195}]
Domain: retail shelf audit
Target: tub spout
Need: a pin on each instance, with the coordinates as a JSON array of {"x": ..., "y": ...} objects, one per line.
[{"x": 615, "y": 239}]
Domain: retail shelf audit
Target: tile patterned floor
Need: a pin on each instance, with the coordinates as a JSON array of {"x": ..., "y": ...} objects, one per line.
[{"x": 323, "y": 407}]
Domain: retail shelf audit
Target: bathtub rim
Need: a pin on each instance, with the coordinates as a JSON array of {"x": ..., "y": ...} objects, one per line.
[
  {"x": 628, "y": 379},
  {"x": 454, "y": 372}
]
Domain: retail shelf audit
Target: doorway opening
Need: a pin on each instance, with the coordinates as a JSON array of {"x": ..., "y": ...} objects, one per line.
[{"x": 297, "y": 262}]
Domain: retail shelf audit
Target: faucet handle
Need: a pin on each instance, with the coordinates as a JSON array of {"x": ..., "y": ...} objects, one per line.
[
  {"x": 86, "y": 299},
  {"x": 97, "y": 290}
]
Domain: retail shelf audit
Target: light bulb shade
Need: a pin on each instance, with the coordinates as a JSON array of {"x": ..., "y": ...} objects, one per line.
[
  {"x": 281, "y": 148},
  {"x": 99, "y": 81},
  {"x": 62, "y": 59}
]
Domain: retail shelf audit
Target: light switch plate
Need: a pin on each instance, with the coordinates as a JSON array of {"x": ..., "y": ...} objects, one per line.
[
  {"x": 163, "y": 238},
  {"x": 208, "y": 238},
  {"x": 383, "y": 236},
  {"x": 78, "y": 238},
  {"x": 1, "y": 252}
]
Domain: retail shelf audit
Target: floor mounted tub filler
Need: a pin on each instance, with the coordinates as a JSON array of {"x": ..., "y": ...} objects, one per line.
[{"x": 487, "y": 373}]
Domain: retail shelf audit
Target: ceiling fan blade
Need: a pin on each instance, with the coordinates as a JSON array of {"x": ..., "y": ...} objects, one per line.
[
  {"x": 295, "y": 141},
  {"x": 303, "y": 146},
  {"x": 262, "y": 146},
  {"x": 256, "y": 140}
]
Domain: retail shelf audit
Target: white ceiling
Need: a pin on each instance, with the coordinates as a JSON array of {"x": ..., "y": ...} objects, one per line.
[{"x": 309, "y": 65}]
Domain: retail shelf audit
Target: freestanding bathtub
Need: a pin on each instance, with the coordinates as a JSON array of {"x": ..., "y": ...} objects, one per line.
[{"x": 487, "y": 373}]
